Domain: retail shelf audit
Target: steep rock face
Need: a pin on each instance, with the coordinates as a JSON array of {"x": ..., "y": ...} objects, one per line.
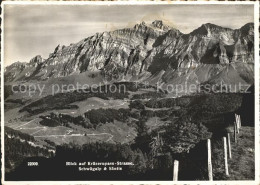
[
  {"x": 141, "y": 52},
  {"x": 159, "y": 24},
  {"x": 35, "y": 61},
  {"x": 12, "y": 71},
  {"x": 210, "y": 44},
  {"x": 21, "y": 71}
]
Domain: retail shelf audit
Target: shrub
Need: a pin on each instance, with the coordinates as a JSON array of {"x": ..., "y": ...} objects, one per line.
[{"x": 182, "y": 136}]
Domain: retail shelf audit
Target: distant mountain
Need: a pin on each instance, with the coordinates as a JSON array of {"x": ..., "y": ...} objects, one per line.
[{"x": 149, "y": 52}]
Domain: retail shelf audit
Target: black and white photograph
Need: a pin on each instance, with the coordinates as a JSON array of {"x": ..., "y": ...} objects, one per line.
[{"x": 120, "y": 91}]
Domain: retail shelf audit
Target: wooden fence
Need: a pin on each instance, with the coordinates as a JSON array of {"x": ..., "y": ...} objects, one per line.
[{"x": 226, "y": 150}]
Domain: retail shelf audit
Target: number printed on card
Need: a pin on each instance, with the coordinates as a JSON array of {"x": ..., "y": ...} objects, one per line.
[{"x": 32, "y": 164}]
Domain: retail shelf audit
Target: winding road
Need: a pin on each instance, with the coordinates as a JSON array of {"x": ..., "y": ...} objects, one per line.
[{"x": 79, "y": 135}]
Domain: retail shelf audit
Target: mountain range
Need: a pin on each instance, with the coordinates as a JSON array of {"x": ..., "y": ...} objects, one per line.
[{"x": 150, "y": 52}]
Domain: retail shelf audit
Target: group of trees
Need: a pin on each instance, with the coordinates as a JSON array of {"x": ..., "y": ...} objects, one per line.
[
  {"x": 16, "y": 150},
  {"x": 169, "y": 102},
  {"x": 148, "y": 95},
  {"x": 180, "y": 137},
  {"x": 54, "y": 120},
  {"x": 51, "y": 120},
  {"x": 63, "y": 100},
  {"x": 17, "y": 134},
  {"x": 97, "y": 116},
  {"x": 212, "y": 110},
  {"x": 136, "y": 104},
  {"x": 210, "y": 105}
]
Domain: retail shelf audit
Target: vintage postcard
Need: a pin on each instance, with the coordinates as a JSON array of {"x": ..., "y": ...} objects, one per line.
[{"x": 130, "y": 92}]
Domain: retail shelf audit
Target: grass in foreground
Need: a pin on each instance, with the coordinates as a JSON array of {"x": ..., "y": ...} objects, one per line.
[{"x": 242, "y": 164}]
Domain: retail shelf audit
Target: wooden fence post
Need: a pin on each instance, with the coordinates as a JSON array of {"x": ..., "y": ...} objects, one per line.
[
  {"x": 239, "y": 121},
  {"x": 235, "y": 132},
  {"x": 229, "y": 146},
  {"x": 209, "y": 161},
  {"x": 225, "y": 155},
  {"x": 175, "y": 170}
]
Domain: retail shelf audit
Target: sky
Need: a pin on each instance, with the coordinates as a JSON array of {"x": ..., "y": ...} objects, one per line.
[{"x": 31, "y": 30}]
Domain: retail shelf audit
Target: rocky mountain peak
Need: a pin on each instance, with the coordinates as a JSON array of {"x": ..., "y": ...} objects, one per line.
[
  {"x": 174, "y": 32},
  {"x": 17, "y": 64},
  {"x": 36, "y": 60},
  {"x": 159, "y": 24},
  {"x": 209, "y": 29},
  {"x": 142, "y": 24},
  {"x": 58, "y": 48},
  {"x": 211, "y": 26},
  {"x": 156, "y": 25}
]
